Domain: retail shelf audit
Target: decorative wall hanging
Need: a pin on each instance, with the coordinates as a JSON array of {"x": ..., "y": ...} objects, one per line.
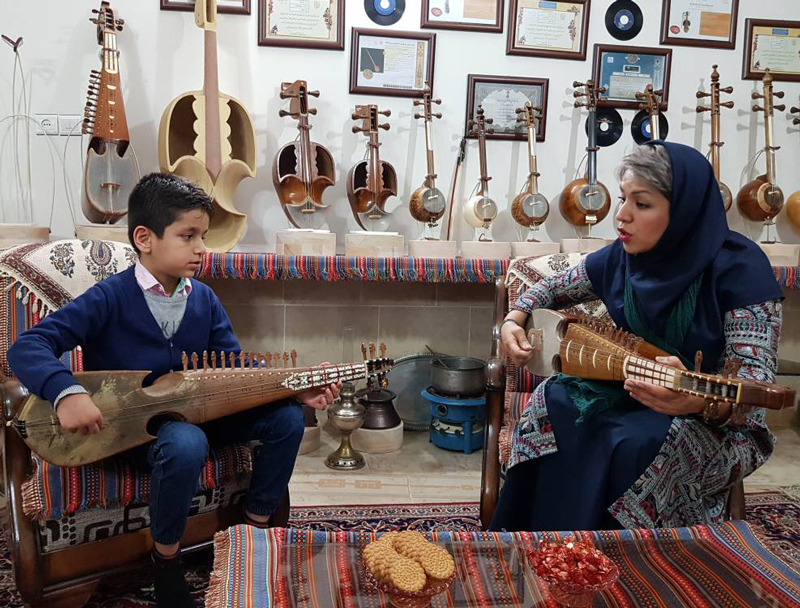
[
  {"x": 500, "y": 96},
  {"x": 467, "y": 15},
  {"x": 307, "y": 25},
  {"x": 238, "y": 7},
  {"x": 709, "y": 23},
  {"x": 624, "y": 71},
  {"x": 774, "y": 45},
  {"x": 548, "y": 29}
]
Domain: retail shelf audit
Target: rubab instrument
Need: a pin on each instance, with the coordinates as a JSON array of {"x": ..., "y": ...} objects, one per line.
[
  {"x": 761, "y": 199},
  {"x": 586, "y": 201},
  {"x": 302, "y": 169},
  {"x": 111, "y": 170},
  {"x": 793, "y": 202},
  {"x": 716, "y": 144},
  {"x": 208, "y": 138},
  {"x": 652, "y": 104},
  {"x": 427, "y": 202},
  {"x": 530, "y": 207},
  {"x": 481, "y": 210},
  {"x": 207, "y": 388},
  {"x": 371, "y": 181},
  {"x": 595, "y": 350}
]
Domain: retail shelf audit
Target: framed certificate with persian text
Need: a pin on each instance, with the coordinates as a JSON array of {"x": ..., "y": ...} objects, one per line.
[
  {"x": 627, "y": 70},
  {"x": 710, "y": 23},
  {"x": 544, "y": 28},
  {"x": 238, "y": 7},
  {"x": 500, "y": 96},
  {"x": 392, "y": 63},
  {"x": 468, "y": 15},
  {"x": 772, "y": 44},
  {"x": 310, "y": 24}
]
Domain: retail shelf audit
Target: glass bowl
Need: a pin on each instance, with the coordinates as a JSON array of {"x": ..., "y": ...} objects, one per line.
[
  {"x": 410, "y": 599},
  {"x": 578, "y": 596}
]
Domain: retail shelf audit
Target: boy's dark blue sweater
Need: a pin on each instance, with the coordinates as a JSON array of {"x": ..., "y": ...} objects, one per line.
[{"x": 116, "y": 329}]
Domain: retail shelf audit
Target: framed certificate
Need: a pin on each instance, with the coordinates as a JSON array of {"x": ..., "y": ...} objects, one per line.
[
  {"x": 627, "y": 70},
  {"x": 500, "y": 96},
  {"x": 771, "y": 44},
  {"x": 548, "y": 29},
  {"x": 310, "y": 24},
  {"x": 469, "y": 15},
  {"x": 239, "y": 7},
  {"x": 388, "y": 62},
  {"x": 709, "y": 23}
]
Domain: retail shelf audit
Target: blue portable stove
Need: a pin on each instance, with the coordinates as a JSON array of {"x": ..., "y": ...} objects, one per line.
[{"x": 456, "y": 423}]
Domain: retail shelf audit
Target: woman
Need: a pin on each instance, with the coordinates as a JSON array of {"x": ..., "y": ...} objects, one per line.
[{"x": 586, "y": 455}]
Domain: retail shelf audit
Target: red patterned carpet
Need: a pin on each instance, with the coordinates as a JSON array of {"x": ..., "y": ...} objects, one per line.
[{"x": 774, "y": 516}]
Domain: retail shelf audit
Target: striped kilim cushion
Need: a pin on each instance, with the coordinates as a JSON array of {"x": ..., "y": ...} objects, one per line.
[{"x": 699, "y": 567}]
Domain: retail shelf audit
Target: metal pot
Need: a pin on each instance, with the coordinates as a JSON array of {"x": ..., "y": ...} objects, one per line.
[{"x": 462, "y": 376}]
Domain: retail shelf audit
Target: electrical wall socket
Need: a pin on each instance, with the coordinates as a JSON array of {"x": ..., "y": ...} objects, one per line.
[
  {"x": 47, "y": 124},
  {"x": 69, "y": 124}
]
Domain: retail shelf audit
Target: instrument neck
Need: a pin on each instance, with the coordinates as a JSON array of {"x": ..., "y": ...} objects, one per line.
[
  {"x": 715, "y": 120},
  {"x": 655, "y": 128},
  {"x": 769, "y": 149},
  {"x": 591, "y": 149},
  {"x": 110, "y": 123},
  {"x": 484, "y": 184},
  {"x": 213, "y": 149},
  {"x": 375, "y": 173},
  {"x": 305, "y": 151},
  {"x": 430, "y": 179},
  {"x": 533, "y": 173}
]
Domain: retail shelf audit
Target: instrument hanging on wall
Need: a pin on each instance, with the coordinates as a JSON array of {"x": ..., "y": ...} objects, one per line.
[
  {"x": 624, "y": 19},
  {"x": 371, "y": 181},
  {"x": 716, "y": 144},
  {"x": 793, "y": 202},
  {"x": 595, "y": 350},
  {"x": 761, "y": 199},
  {"x": 111, "y": 170},
  {"x": 302, "y": 169},
  {"x": 481, "y": 210},
  {"x": 586, "y": 201},
  {"x": 609, "y": 126},
  {"x": 650, "y": 124},
  {"x": 385, "y": 12},
  {"x": 208, "y": 138},
  {"x": 205, "y": 392},
  {"x": 462, "y": 151},
  {"x": 427, "y": 202},
  {"x": 530, "y": 207}
]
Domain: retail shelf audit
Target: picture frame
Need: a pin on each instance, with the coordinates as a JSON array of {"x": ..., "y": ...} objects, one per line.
[
  {"x": 683, "y": 24},
  {"x": 541, "y": 28},
  {"x": 626, "y": 70},
  {"x": 235, "y": 7},
  {"x": 500, "y": 96},
  {"x": 773, "y": 44},
  {"x": 413, "y": 55},
  {"x": 465, "y": 15},
  {"x": 317, "y": 25}
]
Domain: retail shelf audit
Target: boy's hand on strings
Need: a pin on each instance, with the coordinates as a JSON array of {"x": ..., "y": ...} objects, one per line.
[
  {"x": 79, "y": 414},
  {"x": 665, "y": 400},
  {"x": 320, "y": 398}
]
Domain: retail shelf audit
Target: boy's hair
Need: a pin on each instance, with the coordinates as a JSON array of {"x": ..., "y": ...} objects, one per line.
[{"x": 159, "y": 198}]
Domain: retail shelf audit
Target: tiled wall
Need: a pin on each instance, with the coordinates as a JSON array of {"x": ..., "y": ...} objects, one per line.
[{"x": 308, "y": 316}]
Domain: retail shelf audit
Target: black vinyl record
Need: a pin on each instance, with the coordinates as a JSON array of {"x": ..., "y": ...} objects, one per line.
[
  {"x": 609, "y": 127},
  {"x": 640, "y": 127},
  {"x": 385, "y": 12},
  {"x": 624, "y": 19}
]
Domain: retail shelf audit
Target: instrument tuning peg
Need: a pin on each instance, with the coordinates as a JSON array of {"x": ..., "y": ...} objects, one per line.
[
  {"x": 232, "y": 360},
  {"x": 276, "y": 356},
  {"x": 95, "y": 11},
  {"x": 283, "y": 113},
  {"x": 91, "y": 20},
  {"x": 796, "y": 121},
  {"x": 490, "y": 131},
  {"x": 120, "y": 21},
  {"x": 780, "y": 107},
  {"x": 726, "y": 90},
  {"x": 194, "y": 361},
  {"x": 382, "y": 348},
  {"x": 385, "y": 112},
  {"x": 363, "y": 350},
  {"x": 285, "y": 95},
  {"x": 438, "y": 102},
  {"x": 384, "y": 126},
  {"x": 314, "y": 93},
  {"x": 355, "y": 116},
  {"x": 312, "y": 111},
  {"x": 371, "y": 350},
  {"x": 417, "y": 115},
  {"x": 578, "y": 83},
  {"x": 578, "y": 94},
  {"x": 756, "y": 95},
  {"x": 417, "y": 102},
  {"x": 726, "y": 104},
  {"x": 757, "y": 108},
  {"x": 579, "y": 104},
  {"x": 701, "y": 109},
  {"x": 437, "y": 115},
  {"x": 293, "y": 354},
  {"x": 489, "y": 121},
  {"x": 698, "y": 361},
  {"x": 185, "y": 361},
  {"x": 794, "y": 110},
  {"x": 701, "y": 94},
  {"x": 357, "y": 129},
  {"x": 778, "y": 94}
]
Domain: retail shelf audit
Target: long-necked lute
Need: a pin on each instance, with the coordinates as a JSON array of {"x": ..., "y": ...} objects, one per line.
[
  {"x": 761, "y": 199},
  {"x": 427, "y": 202},
  {"x": 302, "y": 169},
  {"x": 651, "y": 106},
  {"x": 480, "y": 210},
  {"x": 586, "y": 201},
  {"x": 111, "y": 171},
  {"x": 793, "y": 202},
  {"x": 716, "y": 144},
  {"x": 587, "y": 348},
  {"x": 530, "y": 207},
  {"x": 208, "y": 138},
  {"x": 203, "y": 391}
]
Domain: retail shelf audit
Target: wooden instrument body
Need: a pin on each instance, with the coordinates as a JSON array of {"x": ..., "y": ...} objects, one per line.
[
  {"x": 302, "y": 169},
  {"x": 598, "y": 351},
  {"x": 194, "y": 396},
  {"x": 793, "y": 209},
  {"x": 427, "y": 202},
  {"x": 208, "y": 138},
  {"x": 110, "y": 172},
  {"x": 480, "y": 210},
  {"x": 530, "y": 208}
]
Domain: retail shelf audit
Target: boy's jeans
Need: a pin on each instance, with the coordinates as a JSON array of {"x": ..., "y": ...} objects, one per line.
[{"x": 178, "y": 455}]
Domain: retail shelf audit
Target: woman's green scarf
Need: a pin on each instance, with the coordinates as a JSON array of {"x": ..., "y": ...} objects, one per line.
[{"x": 593, "y": 396}]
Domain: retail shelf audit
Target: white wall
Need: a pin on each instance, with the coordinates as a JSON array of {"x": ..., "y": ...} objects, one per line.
[{"x": 161, "y": 57}]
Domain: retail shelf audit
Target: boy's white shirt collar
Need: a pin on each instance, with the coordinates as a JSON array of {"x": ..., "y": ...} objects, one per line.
[{"x": 150, "y": 284}]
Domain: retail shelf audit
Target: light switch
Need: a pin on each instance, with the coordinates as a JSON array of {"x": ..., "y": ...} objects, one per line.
[{"x": 69, "y": 124}]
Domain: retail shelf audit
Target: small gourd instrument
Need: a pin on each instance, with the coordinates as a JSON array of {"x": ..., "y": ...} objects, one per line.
[
  {"x": 207, "y": 391},
  {"x": 208, "y": 138},
  {"x": 586, "y": 201},
  {"x": 596, "y": 350},
  {"x": 530, "y": 207},
  {"x": 716, "y": 144},
  {"x": 653, "y": 106},
  {"x": 761, "y": 199},
  {"x": 302, "y": 169},
  {"x": 793, "y": 202},
  {"x": 111, "y": 171},
  {"x": 370, "y": 182},
  {"x": 427, "y": 202},
  {"x": 481, "y": 210}
]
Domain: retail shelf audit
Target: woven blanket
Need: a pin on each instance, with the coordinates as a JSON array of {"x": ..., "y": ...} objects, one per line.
[{"x": 702, "y": 566}]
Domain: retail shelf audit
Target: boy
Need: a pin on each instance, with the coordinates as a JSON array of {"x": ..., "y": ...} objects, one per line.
[{"x": 143, "y": 319}]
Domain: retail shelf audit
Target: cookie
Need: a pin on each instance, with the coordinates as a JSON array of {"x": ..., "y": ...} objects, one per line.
[{"x": 407, "y": 575}]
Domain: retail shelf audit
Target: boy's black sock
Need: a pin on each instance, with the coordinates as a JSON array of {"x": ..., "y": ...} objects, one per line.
[
  {"x": 170, "y": 582},
  {"x": 257, "y": 524}
]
